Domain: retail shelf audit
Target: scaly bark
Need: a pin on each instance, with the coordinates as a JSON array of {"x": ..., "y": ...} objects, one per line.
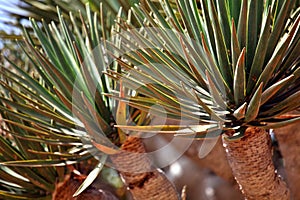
[
  {"x": 144, "y": 181},
  {"x": 251, "y": 162}
]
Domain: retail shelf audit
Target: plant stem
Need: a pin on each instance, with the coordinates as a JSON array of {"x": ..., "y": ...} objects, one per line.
[{"x": 251, "y": 162}]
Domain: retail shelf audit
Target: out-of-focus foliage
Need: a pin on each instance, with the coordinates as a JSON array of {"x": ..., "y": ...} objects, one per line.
[
  {"x": 53, "y": 112},
  {"x": 21, "y": 10}
]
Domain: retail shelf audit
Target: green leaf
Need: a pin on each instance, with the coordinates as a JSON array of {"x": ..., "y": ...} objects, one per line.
[
  {"x": 193, "y": 18},
  {"x": 235, "y": 48},
  {"x": 239, "y": 79},
  {"x": 272, "y": 125},
  {"x": 224, "y": 18},
  {"x": 38, "y": 163},
  {"x": 64, "y": 83},
  {"x": 252, "y": 31},
  {"x": 10, "y": 176},
  {"x": 272, "y": 90},
  {"x": 101, "y": 123},
  {"x": 235, "y": 7},
  {"x": 214, "y": 70},
  {"x": 39, "y": 114},
  {"x": 277, "y": 56},
  {"x": 158, "y": 15},
  {"x": 30, "y": 174},
  {"x": 42, "y": 91},
  {"x": 45, "y": 43},
  {"x": 254, "y": 105},
  {"x": 63, "y": 141},
  {"x": 184, "y": 15},
  {"x": 222, "y": 56},
  {"x": 284, "y": 106},
  {"x": 216, "y": 95},
  {"x": 209, "y": 33},
  {"x": 242, "y": 28},
  {"x": 278, "y": 27},
  {"x": 31, "y": 119},
  {"x": 71, "y": 68},
  {"x": 193, "y": 68},
  {"x": 211, "y": 112},
  {"x": 259, "y": 57}
]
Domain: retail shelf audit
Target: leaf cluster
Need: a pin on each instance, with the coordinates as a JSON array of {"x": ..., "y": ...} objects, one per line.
[{"x": 229, "y": 63}]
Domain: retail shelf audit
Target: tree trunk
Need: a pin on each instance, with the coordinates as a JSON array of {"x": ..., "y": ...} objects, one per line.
[
  {"x": 143, "y": 181},
  {"x": 289, "y": 141},
  {"x": 251, "y": 162}
]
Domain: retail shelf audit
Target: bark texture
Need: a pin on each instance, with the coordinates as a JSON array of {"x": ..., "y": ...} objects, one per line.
[
  {"x": 251, "y": 162},
  {"x": 143, "y": 181},
  {"x": 66, "y": 189}
]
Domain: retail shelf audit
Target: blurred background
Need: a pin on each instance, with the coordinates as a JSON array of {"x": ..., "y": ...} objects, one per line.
[{"x": 209, "y": 178}]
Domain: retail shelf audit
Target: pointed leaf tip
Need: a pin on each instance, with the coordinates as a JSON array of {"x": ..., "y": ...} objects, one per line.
[
  {"x": 239, "y": 79},
  {"x": 91, "y": 177}
]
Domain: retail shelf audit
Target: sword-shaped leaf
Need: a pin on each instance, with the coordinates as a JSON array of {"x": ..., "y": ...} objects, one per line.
[
  {"x": 271, "y": 91},
  {"x": 223, "y": 60},
  {"x": 239, "y": 79},
  {"x": 254, "y": 105},
  {"x": 91, "y": 177},
  {"x": 259, "y": 57}
]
